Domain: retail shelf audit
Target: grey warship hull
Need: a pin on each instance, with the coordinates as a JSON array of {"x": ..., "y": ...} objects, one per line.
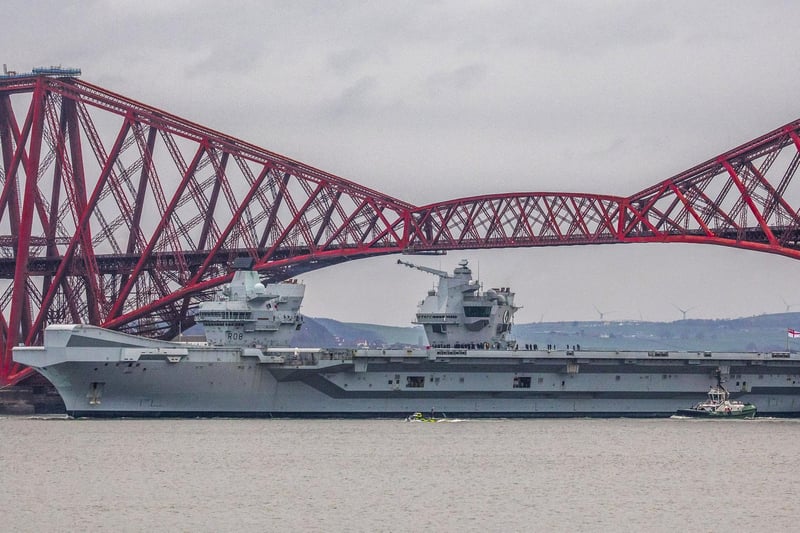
[{"x": 103, "y": 373}]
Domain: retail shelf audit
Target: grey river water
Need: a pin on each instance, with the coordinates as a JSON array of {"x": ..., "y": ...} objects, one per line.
[{"x": 390, "y": 475}]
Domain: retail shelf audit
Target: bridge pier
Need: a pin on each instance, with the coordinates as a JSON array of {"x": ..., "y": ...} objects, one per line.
[{"x": 33, "y": 396}]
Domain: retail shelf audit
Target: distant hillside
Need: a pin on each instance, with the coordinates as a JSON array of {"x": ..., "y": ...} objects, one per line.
[
  {"x": 354, "y": 334},
  {"x": 313, "y": 334},
  {"x": 756, "y": 333}
]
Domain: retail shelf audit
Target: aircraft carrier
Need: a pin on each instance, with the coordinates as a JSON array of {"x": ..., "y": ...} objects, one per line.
[{"x": 471, "y": 368}]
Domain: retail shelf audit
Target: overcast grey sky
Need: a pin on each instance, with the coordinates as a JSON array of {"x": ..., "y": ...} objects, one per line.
[{"x": 428, "y": 101}]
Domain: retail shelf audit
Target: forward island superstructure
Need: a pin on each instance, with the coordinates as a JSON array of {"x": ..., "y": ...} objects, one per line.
[
  {"x": 248, "y": 313},
  {"x": 471, "y": 368}
]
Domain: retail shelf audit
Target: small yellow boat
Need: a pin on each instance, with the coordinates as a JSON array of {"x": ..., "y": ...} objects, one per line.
[{"x": 419, "y": 417}]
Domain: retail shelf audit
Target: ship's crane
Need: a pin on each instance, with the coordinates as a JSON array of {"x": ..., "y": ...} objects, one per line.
[{"x": 433, "y": 271}]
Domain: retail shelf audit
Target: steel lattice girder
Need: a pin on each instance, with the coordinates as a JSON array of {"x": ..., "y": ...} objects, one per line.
[
  {"x": 115, "y": 213},
  {"x": 118, "y": 214}
]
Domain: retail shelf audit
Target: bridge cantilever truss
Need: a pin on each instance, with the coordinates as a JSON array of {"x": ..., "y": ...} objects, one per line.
[
  {"x": 738, "y": 199},
  {"x": 116, "y": 213}
]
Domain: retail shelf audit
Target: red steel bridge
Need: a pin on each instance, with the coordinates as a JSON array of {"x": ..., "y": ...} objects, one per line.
[{"x": 116, "y": 213}]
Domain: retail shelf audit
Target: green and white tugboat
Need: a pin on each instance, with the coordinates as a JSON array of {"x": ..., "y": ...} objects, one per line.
[{"x": 719, "y": 405}]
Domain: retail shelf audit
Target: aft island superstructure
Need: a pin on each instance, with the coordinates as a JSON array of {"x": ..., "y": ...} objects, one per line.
[
  {"x": 459, "y": 314},
  {"x": 470, "y": 369}
]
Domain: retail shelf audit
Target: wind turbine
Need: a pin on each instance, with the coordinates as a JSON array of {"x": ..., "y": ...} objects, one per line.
[
  {"x": 601, "y": 313},
  {"x": 684, "y": 311},
  {"x": 787, "y": 304}
]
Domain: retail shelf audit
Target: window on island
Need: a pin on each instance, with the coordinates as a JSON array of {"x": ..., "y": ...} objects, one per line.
[
  {"x": 415, "y": 381},
  {"x": 522, "y": 382}
]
